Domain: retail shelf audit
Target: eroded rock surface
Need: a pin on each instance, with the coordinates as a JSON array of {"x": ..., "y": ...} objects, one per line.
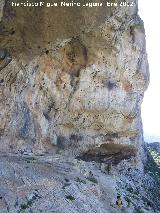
[
  {"x": 71, "y": 81},
  {"x": 66, "y": 185},
  {"x": 71, "y": 86}
]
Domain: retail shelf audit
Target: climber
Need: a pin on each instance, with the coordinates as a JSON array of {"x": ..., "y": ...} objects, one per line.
[
  {"x": 5, "y": 58},
  {"x": 119, "y": 203}
]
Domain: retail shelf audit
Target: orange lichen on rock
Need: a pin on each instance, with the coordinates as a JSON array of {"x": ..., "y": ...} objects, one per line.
[
  {"x": 46, "y": 65},
  {"x": 127, "y": 86}
]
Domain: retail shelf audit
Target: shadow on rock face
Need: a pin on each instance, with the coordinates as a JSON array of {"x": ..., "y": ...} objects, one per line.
[
  {"x": 5, "y": 58},
  {"x": 74, "y": 57},
  {"x": 31, "y": 29},
  {"x": 109, "y": 153},
  {"x": 25, "y": 125}
]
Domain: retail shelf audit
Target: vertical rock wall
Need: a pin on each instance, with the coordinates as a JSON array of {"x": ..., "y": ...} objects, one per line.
[{"x": 71, "y": 79}]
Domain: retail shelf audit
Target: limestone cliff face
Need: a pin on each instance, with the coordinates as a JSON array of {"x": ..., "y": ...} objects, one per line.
[{"x": 71, "y": 79}]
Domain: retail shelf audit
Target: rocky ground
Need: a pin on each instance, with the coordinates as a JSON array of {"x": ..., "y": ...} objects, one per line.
[{"x": 60, "y": 184}]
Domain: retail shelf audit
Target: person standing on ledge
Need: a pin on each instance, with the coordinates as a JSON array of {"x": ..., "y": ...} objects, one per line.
[{"x": 119, "y": 202}]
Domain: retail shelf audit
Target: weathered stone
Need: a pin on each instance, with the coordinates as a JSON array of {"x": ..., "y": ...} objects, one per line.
[
  {"x": 87, "y": 79},
  {"x": 5, "y": 58},
  {"x": 72, "y": 89}
]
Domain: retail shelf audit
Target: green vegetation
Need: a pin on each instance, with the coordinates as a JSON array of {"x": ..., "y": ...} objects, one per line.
[
  {"x": 129, "y": 202},
  {"x": 30, "y": 159},
  {"x": 24, "y": 206},
  {"x": 153, "y": 165},
  {"x": 130, "y": 189},
  {"x": 92, "y": 179},
  {"x": 70, "y": 197},
  {"x": 137, "y": 210},
  {"x": 80, "y": 180},
  {"x": 156, "y": 157}
]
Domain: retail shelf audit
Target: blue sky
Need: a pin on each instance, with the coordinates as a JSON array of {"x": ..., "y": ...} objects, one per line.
[{"x": 150, "y": 13}]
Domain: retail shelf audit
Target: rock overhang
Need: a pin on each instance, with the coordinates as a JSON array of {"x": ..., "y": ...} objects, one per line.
[{"x": 78, "y": 71}]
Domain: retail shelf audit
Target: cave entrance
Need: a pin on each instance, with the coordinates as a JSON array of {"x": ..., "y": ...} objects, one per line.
[{"x": 109, "y": 153}]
